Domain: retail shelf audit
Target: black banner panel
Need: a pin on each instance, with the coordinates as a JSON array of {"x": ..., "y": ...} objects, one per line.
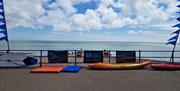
[
  {"x": 125, "y": 56},
  {"x": 58, "y": 56},
  {"x": 93, "y": 56}
]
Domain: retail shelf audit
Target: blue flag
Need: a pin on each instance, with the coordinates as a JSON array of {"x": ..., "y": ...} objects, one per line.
[
  {"x": 178, "y": 19},
  {"x": 2, "y": 20},
  {"x": 1, "y": 7},
  {"x": 171, "y": 42},
  {"x": 178, "y": 6},
  {"x": 4, "y": 38},
  {"x": 3, "y": 26},
  {"x": 4, "y": 32},
  {"x": 1, "y": 4},
  {"x": 173, "y": 38},
  {"x": 2, "y": 14},
  {"x": 177, "y": 25},
  {"x": 176, "y": 32}
]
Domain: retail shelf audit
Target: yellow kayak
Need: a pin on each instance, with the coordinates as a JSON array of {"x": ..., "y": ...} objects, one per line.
[{"x": 119, "y": 66}]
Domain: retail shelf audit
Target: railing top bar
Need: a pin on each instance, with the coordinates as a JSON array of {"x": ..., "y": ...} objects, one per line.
[
  {"x": 147, "y": 50},
  {"x": 158, "y": 51},
  {"x": 102, "y": 50},
  {"x": 38, "y": 50},
  {"x": 157, "y": 57}
]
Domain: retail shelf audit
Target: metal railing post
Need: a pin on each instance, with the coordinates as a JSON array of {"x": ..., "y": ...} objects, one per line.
[
  {"x": 40, "y": 58},
  {"x": 109, "y": 56},
  {"x": 75, "y": 57},
  {"x": 139, "y": 55}
]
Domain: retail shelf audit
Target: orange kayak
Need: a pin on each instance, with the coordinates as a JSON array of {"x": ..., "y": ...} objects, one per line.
[{"x": 119, "y": 66}]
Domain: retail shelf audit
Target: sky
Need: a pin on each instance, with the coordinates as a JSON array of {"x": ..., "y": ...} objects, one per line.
[{"x": 91, "y": 20}]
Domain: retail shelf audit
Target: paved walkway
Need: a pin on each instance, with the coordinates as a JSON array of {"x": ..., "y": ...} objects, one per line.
[{"x": 89, "y": 80}]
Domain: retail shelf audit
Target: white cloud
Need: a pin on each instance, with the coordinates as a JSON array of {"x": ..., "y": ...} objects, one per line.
[
  {"x": 87, "y": 21},
  {"x": 56, "y": 19},
  {"x": 132, "y": 32},
  {"x": 107, "y": 2},
  {"x": 122, "y": 22},
  {"x": 148, "y": 10},
  {"x": 143, "y": 32},
  {"x": 107, "y": 15},
  {"x": 79, "y": 21},
  {"x": 23, "y": 12},
  {"x": 66, "y": 5},
  {"x": 63, "y": 16}
]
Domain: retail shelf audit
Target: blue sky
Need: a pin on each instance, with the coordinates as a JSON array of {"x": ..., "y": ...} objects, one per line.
[{"x": 91, "y": 20}]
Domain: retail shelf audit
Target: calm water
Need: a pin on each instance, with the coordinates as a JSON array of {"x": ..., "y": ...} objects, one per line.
[{"x": 59, "y": 45}]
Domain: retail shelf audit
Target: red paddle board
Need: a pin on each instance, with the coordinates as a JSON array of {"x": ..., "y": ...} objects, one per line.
[{"x": 166, "y": 66}]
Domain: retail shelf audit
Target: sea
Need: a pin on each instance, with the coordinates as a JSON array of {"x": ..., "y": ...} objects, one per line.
[{"x": 95, "y": 45}]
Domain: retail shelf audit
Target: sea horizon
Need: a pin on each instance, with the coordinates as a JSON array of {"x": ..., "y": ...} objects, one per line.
[
  {"x": 69, "y": 45},
  {"x": 94, "y": 41}
]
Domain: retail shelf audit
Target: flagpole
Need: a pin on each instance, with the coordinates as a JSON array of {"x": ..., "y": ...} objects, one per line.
[
  {"x": 7, "y": 41},
  {"x": 172, "y": 56},
  {"x": 8, "y": 46}
]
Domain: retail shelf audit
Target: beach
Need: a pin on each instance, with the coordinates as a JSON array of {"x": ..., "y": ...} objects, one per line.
[{"x": 90, "y": 80}]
